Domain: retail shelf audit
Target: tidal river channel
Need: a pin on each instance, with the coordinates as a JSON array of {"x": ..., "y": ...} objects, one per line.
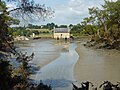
[{"x": 56, "y": 60}]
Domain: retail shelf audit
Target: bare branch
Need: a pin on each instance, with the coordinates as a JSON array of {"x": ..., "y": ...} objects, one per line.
[{"x": 28, "y": 10}]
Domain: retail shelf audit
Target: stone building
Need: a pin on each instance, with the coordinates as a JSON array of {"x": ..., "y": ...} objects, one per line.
[{"x": 61, "y": 33}]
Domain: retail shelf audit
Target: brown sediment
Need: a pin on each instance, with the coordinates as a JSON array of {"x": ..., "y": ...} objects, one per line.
[{"x": 97, "y": 65}]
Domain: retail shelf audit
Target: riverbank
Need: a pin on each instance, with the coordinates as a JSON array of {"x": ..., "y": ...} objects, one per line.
[{"x": 97, "y": 65}]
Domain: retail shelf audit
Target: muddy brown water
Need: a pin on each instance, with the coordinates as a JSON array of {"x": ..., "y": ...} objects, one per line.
[{"x": 59, "y": 72}]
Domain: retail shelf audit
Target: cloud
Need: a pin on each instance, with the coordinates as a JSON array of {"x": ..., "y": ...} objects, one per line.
[
  {"x": 11, "y": 6},
  {"x": 69, "y": 11},
  {"x": 73, "y": 11},
  {"x": 77, "y": 7}
]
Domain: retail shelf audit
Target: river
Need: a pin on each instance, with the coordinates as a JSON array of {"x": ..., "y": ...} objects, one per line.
[{"x": 58, "y": 72}]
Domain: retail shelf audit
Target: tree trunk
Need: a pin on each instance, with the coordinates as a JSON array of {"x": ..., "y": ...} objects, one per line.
[{"x": 98, "y": 33}]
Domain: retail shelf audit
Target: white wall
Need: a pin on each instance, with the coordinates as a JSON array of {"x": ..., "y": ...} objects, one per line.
[{"x": 61, "y": 35}]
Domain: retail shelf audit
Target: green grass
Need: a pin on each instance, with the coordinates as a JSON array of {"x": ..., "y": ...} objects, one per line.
[{"x": 45, "y": 35}]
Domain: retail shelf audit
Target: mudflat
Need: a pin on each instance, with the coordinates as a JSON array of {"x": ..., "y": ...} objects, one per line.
[{"x": 96, "y": 65}]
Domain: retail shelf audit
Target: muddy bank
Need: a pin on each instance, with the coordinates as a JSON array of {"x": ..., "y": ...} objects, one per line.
[{"x": 97, "y": 65}]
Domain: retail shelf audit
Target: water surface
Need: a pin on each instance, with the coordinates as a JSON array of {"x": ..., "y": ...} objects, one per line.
[{"x": 59, "y": 72}]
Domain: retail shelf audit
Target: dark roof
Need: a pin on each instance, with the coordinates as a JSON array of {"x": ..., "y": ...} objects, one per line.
[{"x": 61, "y": 30}]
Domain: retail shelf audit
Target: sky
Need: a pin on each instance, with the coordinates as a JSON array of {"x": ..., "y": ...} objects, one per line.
[{"x": 68, "y": 11}]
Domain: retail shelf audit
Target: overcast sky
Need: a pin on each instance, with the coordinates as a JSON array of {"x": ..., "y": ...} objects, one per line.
[{"x": 69, "y": 11}]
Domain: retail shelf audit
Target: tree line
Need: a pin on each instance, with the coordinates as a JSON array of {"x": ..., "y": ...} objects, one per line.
[
  {"x": 49, "y": 26},
  {"x": 37, "y": 29}
]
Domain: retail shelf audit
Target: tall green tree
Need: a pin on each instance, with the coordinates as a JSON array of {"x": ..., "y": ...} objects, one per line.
[{"x": 107, "y": 21}]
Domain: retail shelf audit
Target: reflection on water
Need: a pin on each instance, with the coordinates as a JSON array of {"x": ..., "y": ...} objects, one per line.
[
  {"x": 64, "y": 44},
  {"x": 59, "y": 73},
  {"x": 59, "y": 42}
]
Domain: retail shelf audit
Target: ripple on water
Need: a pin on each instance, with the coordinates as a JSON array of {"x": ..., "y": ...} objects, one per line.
[{"x": 59, "y": 73}]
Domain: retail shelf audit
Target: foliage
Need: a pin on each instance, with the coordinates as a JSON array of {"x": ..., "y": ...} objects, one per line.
[
  {"x": 5, "y": 21},
  {"x": 71, "y": 26},
  {"x": 62, "y": 26},
  {"x": 36, "y": 32},
  {"x": 49, "y": 26},
  {"x": 28, "y": 10},
  {"x": 76, "y": 29},
  {"x": 16, "y": 31},
  {"x": 106, "y": 85},
  {"x": 104, "y": 24},
  {"x": 5, "y": 75},
  {"x": 31, "y": 26},
  {"x": 11, "y": 78}
]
